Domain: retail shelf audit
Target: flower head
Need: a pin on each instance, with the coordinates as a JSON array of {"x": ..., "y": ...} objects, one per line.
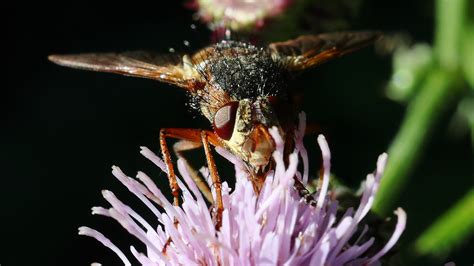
[
  {"x": 239, "y": 14},
  {"x": 275, "y": 227}
]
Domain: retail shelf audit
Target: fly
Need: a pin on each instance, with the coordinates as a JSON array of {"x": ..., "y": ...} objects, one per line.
[{"x": 242, "y": 89}]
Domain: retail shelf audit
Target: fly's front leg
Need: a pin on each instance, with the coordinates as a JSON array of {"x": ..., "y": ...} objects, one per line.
[
  {"x": 216, "y": 181},
  {"x": 189, "y": 139},
  {"x": 200, "y": 136},
  {"x": 185, "y": 145},
  {"x": 169, "y": 166},
  {"x": 177, "y": 133}
]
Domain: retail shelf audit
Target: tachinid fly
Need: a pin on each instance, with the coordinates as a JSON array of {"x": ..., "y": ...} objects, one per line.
[{"x": 243, "y": 90}]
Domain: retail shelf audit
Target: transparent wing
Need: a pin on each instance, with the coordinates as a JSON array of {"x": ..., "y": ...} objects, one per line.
[
  {"x": 166, "y": 68},
  {"x": 311, "y": 50}
]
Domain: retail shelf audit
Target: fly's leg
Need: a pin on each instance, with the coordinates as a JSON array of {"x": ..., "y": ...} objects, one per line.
[
  {"x": 216, "y": 181},
  {"x": 190, "y": 135},
  {"x": 197, "y": 136},
  {"x": 164, "y": 133}
]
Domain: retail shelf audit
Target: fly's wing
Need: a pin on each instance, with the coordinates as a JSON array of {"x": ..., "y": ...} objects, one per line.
[
  {"x": 171, "y": 68},
  {"x": 311, "y": 50}
]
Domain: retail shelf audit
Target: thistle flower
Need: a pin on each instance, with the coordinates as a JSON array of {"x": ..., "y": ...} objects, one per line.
[
  {"x": 275, "y": 227},
  {"x": 238, "y": 14}
]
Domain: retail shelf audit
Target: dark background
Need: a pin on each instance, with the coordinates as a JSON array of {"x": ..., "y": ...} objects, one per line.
[{"x": 62, "y": 129}]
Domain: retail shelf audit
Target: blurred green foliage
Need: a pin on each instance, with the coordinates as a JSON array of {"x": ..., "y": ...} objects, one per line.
[
  {"x": 410, "y": 67},
  {"x": 440, "y": 82},
  {"x": 468, "y": 53},
  {"x": 449, "y": 230}
]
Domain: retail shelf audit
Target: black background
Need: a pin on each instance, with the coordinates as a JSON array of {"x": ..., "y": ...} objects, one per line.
[{"x": 62, "y": 129}]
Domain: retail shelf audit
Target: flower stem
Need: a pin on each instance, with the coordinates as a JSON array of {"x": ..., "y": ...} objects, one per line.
[
  {"x": 450, "y": 20},
  {"x": 449, "y": 229}
]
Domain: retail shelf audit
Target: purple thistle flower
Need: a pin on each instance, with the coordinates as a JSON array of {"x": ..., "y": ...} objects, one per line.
[{"x": 275, "y": 227}]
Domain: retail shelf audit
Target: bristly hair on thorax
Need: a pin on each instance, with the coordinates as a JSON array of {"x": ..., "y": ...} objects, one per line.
[
  {"x": 249, "y": 72},
  {"x": 242, "y": 71}
]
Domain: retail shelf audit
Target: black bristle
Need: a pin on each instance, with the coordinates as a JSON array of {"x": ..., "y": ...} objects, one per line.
[{"x": 248, "y": 74}]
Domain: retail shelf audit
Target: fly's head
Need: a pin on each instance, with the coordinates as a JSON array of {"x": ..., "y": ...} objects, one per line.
[{"x": 243, "y": 128}]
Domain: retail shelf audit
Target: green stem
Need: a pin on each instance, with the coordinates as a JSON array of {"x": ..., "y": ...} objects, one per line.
[
  {"x": 450, "y": 20},
  {"x": 442, "y": 84},
  {"x": 436, "y": 93},
  {"x": 449, "y": 229}
]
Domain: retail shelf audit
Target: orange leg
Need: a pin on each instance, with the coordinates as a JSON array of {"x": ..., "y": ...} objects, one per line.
[
  {"x": 200, "y": 136},
  {"x": 216, "y": 180},
  {"x": 169, "y": 165}
]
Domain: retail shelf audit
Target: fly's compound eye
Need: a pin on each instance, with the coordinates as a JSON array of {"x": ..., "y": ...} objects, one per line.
[{"x": 224, "y": 120}]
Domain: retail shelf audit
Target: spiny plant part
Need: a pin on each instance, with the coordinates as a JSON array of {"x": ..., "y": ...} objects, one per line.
[
  {"x": 243, "y": 90},
  {"x": 273, "y": 227}
]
